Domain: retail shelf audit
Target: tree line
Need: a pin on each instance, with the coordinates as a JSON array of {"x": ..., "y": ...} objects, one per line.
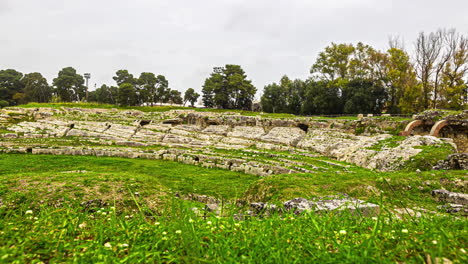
[
  {"x": 345, "y": 78},
  {"x": 352, "y": 79},
  {"x": 69, "y": 86}
]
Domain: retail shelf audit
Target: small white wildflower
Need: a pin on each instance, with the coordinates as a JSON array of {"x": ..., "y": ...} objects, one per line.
[
  {"x": 35, "y": 218},
  {"x": 104, "y": 213},
  {"x": 29, "y": 212},
  {"x": 178, "y": 232},
  {"x": 124, "y": 245},
  {"x": 375, "y": 218},
  {"x": 164, "y": 233},
  {"x": 82, "y": 225},
  {"x": 404, "y": 230},
  {"x": 434, "y": 242},
  {"x": 462, "y": 250},
  {"x": 208, "y": 223},
  {"x": 343, "y": 232},
  {"x": 108, "y": 245},
  {"x": 127, "y": 217},
  {"x": 191, "y": 220},
  {"x": 157, "y": 223}
]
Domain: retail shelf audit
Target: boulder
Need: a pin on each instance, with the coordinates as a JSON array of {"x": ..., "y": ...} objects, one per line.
[
  {"x": 332, "y": 203},
  {"x": 457, "y": 161},
  {"x": 450, "y": 197}
]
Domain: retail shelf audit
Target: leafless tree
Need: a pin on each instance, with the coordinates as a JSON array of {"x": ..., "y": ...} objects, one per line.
[
  {"x": 395, "y": 42},
  {"x": 449, "y": 41},
  {"x": 428, "y": 49}
]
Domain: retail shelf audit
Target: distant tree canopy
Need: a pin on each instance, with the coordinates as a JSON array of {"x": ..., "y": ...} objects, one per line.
[
  {"x": 10, "y": 85},
  {"x": 228, "y": 89},
  {"x": 191, "y": 96},
  {"x": 353, "y": 79},
  {"x": 345, "y": 79},
  {"x": 69, "y": 85},
  {"x": 36, "y": 88},
  {"x": 146, "y": 89}
]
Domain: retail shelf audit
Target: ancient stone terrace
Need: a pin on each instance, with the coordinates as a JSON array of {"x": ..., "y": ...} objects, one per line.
[{"x": 251, "y": 144}]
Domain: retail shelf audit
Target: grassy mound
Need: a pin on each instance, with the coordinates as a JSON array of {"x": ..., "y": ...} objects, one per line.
[{"x": 88, "y": 209}]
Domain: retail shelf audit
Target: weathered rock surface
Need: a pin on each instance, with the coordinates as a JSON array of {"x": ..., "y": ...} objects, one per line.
[
  {"x": 457, "y": 161},
  {"x": 450, "y": 197},
  {"x": 331, "y": 203},
  {"x": 201, "y": 132}
]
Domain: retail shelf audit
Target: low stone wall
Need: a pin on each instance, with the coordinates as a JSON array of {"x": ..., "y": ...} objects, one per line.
[{"x": 248, "y": 167}]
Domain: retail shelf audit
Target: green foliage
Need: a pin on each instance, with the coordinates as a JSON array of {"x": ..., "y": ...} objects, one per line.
[
  {"x": 428, "y": 157},
  {"x": 322, "y": 97},
  {"x": 36, "y": 88},
  {"x": 363, "y": 96},
  {"x": 3, "y": 103},
  {"x": 43, "y": 218},
  {"x": 69, "y": 85},
  {"x": 123, "y": 76},
  {"x": 334, "y": 62},
  {"x": 105, "y": 95},
  {"x": 127, "y": 95},
  {"x": 10, "y": 84},
  {"x": 228, "y": 89},
  {"x": 175, "y": 97},
  {"x": 191, "y": 96},
  {"x": 391, "y": 142}
]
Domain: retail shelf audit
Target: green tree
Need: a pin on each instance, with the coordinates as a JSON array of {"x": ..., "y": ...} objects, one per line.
[
  {"x": 123, "y": 76},
  {"x": 106, "y": 94},
  {"x": 162, "y": 88},
  {"x": 334, "y": 62},
  {"x": 127, "y": 95},
  {"x": 191, "y": 96},
  {"x": 4, "y": 103},
  {"x": 211, "y": 88},
  {"x": 36, "y": 88},
  {"x": 229, "y": 89},
  {"x": 69, "y": 85},
  {"x": 175, "y": 97},
  {"x": 363, "y": 96},
  {"x": 322, "y": 97},
  {"x": 273, "y": 99},
  {"x": 10, "y": 84},
  {"x": 147, "y": 82}
]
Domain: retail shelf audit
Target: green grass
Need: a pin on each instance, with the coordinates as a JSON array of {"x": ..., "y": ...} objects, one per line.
[
  {"x": 104, "y": 236},
  {"x": 391, "y": 142},
  {"x": 140, "y": 220},
  {"x": 172, "y": 176},
  {"x": 428, "y": 157}
]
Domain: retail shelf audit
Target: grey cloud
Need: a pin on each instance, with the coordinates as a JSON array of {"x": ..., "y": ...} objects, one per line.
[{"x": 185, "y": 39}]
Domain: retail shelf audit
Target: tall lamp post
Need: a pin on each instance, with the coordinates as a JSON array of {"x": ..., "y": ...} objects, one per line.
[
  {"x": 218, "y": 69},
  {"x": 87, "y": 76}
]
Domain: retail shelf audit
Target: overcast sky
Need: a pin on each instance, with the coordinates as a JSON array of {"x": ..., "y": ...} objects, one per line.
[{"x": 185, "y": 39}]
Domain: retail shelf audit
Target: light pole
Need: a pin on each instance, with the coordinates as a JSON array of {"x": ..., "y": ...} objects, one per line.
[
  {"x": 87, "y": 76},
  {"x": 218, "y": 69}
]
